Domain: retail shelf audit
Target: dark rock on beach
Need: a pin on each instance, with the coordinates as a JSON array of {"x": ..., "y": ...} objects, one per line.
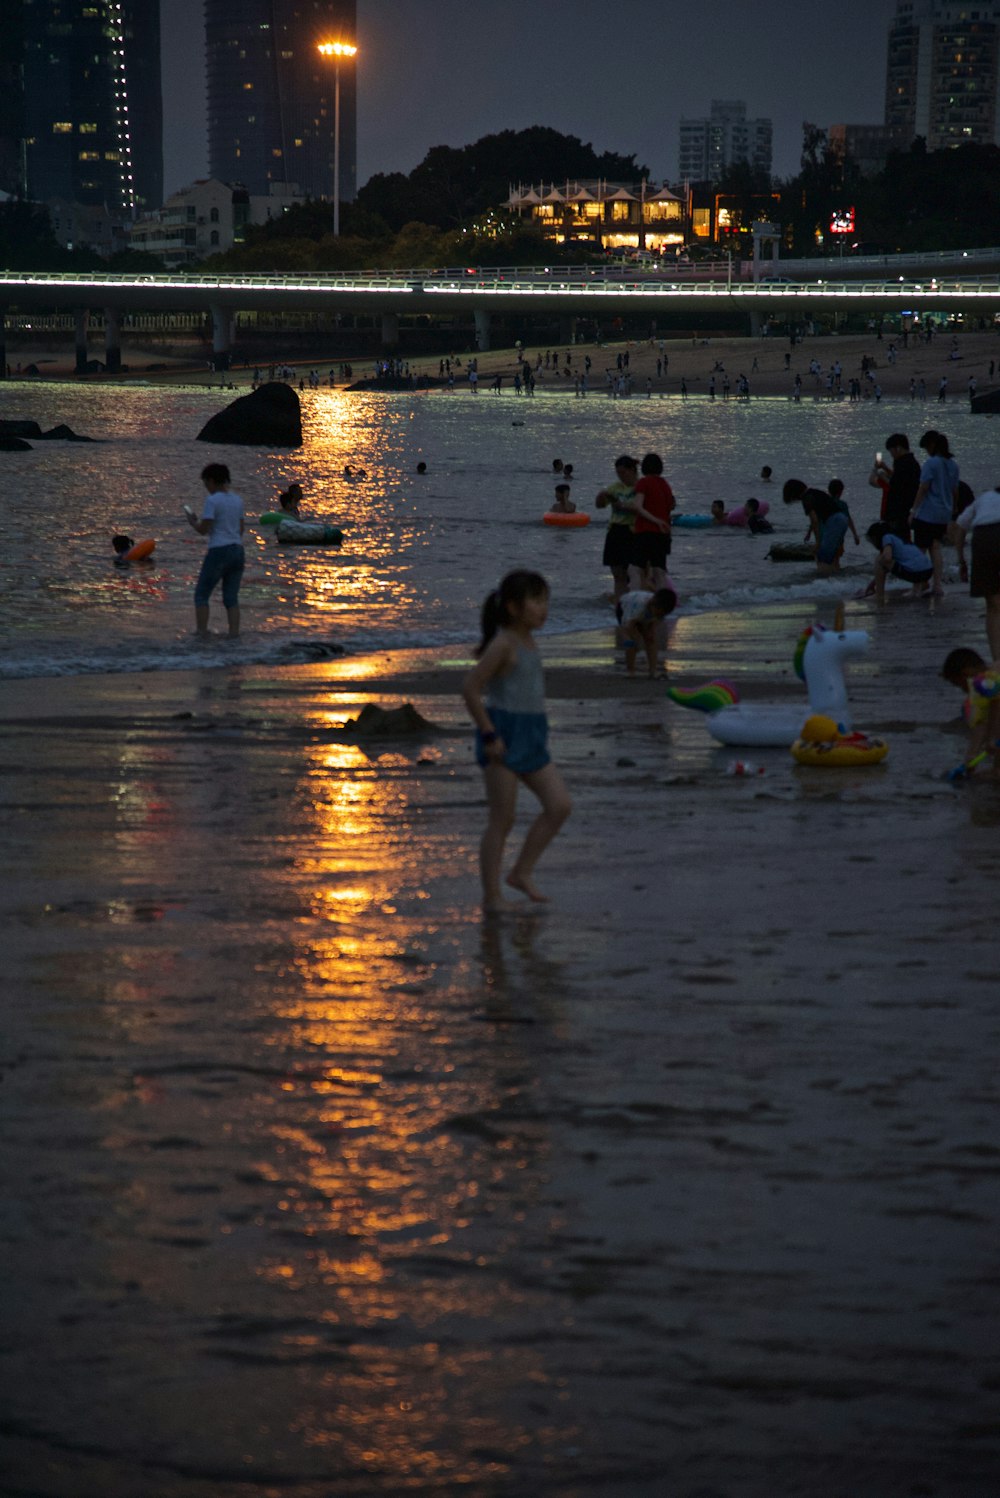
[
  {"x": 63, "y": 433},
  {"x": 14, "y": 445},
  {"x": 269, "y": 417},
  {"x": 374, "y": 722},
  {"x": 987, "y": 404},
  {"x": 25, "y": 429}
]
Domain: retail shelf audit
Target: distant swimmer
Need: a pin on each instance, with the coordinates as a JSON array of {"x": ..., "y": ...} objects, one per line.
[
  {"x": 557, "y": 465},
  {"x": 421, "y": 467}
]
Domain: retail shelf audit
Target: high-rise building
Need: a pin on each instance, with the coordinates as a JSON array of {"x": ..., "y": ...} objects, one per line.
[
  {"x": 709, "y": 146},
  {"x": 92, "y": 117},
  {"x": 942, "y": 72},
  {"x": 272, "y": 96}
]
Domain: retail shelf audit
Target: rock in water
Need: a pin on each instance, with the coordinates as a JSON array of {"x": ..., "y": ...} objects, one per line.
[
  {"x": 269, "y": 417},
  {"x": 374, "y": 722}
]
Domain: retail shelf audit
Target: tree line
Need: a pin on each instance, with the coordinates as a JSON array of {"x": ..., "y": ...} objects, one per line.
[{"x": 448, "y": 210}]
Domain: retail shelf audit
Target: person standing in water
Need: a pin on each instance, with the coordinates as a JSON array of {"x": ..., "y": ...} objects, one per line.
[
  {"x": 505, "y": 695},
  {"x": 222, "y": 520}
]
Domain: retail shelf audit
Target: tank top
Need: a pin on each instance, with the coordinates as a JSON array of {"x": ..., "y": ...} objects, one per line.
[{"x": 522, "y": 690}]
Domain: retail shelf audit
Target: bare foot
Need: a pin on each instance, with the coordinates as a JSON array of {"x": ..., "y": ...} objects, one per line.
[
  {"x": 499, "y": 906},
  {"x": 527, "y": 887}
]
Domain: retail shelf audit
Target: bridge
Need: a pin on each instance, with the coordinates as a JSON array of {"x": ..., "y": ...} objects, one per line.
[{"x": 953, "y": 282}]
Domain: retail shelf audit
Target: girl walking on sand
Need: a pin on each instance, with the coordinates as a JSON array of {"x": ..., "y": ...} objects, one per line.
[{"x": 505, "y": 695}]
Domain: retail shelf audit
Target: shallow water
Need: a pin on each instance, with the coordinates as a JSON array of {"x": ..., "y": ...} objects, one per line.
[{"x": 420, "y": 552}]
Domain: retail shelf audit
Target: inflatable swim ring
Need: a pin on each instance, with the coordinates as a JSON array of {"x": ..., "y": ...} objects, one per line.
[
  {"x": 822, "y": 744},
  {"x": 139, "y": 550},
  {"x": 574, "y": 518},
  {"x": 739, "y": 516},
  {"x": 691, "y": 522},
  {"x": 275, "y": 517},
  {"x": 309, "y": 533}
]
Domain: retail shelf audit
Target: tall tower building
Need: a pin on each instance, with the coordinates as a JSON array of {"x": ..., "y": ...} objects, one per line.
[
  {"x": 92, "y": 110},
  {"x": 943, "y": 72},
  {"x": 709, "y": 146},
  {"x": 271, "y": 95}
]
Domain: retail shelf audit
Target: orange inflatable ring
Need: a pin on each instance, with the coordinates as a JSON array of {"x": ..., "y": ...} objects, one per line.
[
  {"x": 139, "y": 550},
  {"x": 574, "y": 518}
]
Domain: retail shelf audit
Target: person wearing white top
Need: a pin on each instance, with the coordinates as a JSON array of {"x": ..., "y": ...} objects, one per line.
[
  {"x": 982, "y": 517},
  {"x": 222, "y": 521}
]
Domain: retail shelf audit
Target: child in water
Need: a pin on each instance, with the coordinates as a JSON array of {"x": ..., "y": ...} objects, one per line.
[
  {"x": 562, "y": 504},
  {"x": 505, "y": 695},
  {"x": 980, "y": 682}
]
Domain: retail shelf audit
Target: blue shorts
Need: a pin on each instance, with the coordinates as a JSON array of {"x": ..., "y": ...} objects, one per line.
[
  {"x": 831, "y": 538},
  {"x": 526, "y": 740},
  {"x": 222, "y": 564}
]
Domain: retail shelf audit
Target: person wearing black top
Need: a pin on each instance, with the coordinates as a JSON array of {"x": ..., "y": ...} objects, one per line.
[{"x": 904, "y": 480}]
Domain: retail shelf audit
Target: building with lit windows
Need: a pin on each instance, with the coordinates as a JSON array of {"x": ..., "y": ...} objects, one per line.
[
  {"x": 271, "y": 95},
  {"x": 942, "y": 72},
  {"x": 207, "y": 218},
  {"x": 709, "y": 146},
  {"x": 91, "y": 111},
  {"x": 615, "y": 216}
]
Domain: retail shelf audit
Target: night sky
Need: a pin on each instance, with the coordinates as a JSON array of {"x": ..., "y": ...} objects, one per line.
[{"x": 619, "y": 73}]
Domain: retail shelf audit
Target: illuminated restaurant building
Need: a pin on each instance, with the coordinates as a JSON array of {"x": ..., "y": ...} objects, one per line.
[{"x": 615, "y": 216}]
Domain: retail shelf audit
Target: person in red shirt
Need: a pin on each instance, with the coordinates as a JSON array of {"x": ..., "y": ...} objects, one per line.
[{"x": 651, "y": 537}]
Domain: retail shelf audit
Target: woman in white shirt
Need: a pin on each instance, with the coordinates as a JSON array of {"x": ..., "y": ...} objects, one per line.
[{"x": 222, "y": 521}]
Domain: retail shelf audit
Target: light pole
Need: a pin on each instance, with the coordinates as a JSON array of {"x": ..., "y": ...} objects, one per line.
[{"x": 336, "y": 50}]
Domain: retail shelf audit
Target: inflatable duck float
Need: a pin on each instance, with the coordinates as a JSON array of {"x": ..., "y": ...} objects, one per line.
[{"x": 821, "y": 743}]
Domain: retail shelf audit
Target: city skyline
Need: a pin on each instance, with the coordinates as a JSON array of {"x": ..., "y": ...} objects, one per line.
[{"x": 446, "y": 75}]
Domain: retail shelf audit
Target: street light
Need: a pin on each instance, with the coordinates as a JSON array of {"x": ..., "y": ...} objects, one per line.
[{"x": 336, "y": 50}]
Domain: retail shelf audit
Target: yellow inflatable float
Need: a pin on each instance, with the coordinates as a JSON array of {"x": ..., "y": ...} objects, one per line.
[{"x": 822, "y": 743}]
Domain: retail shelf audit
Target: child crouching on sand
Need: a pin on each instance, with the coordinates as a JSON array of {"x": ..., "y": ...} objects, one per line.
[
  {"x": 640, "y": 615},
  {"x": 897, "y": 558},
  {"x": 980, "y": 682},
  {"x": 505, "y": 695}
]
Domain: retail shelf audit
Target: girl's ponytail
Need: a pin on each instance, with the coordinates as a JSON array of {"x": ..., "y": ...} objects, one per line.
[{"x": 489, "y": 619}]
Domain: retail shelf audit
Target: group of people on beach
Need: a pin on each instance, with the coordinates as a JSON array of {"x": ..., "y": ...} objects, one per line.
[{"x": 504, "y": 691}]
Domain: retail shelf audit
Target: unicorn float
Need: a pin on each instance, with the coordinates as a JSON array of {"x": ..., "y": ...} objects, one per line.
[{"x": 820, "y": 654}]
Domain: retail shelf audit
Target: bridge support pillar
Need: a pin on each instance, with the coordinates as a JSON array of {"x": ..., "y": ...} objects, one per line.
[
  {"x": 112, "y": 340},
  {"x": 390, "y": 330},
  {"x": 3, "y": 343},
  {"x": 221, "y": 338},
  {"x": 81, "y": 317},
  {"x": 567, "y": 330},
  {"x": 482, "y": 330},
  {"x": 756, "y": 324}
]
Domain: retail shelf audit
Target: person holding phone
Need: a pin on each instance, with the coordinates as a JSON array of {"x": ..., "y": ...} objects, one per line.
[
  {"x": 902, "y": 481},
  {"x": 222, "y": 520}
]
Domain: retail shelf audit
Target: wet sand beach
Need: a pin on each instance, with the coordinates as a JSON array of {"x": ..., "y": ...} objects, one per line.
[{"x": 318, "y": 1183}]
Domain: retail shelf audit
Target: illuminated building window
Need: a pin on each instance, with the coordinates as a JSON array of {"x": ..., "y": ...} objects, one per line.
[
  {"x": 248, "y": 86},
  {"x": 276, "y": 151},
  {"x": 298, "y": 141},
  {"x": 62, "y": 127},
  {"x": 111, "y": 156},
  {"x": 90, "y": 155},
  {"x": 87, "y": 129}
]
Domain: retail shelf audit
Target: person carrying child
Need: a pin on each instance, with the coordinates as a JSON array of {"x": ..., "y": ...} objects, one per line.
[
  {"x": 897, "y": 558},
  {"x": 505, "y": 695},
  {"x": 980, "y": 682},
  {"x": 640, "y": 614}
]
